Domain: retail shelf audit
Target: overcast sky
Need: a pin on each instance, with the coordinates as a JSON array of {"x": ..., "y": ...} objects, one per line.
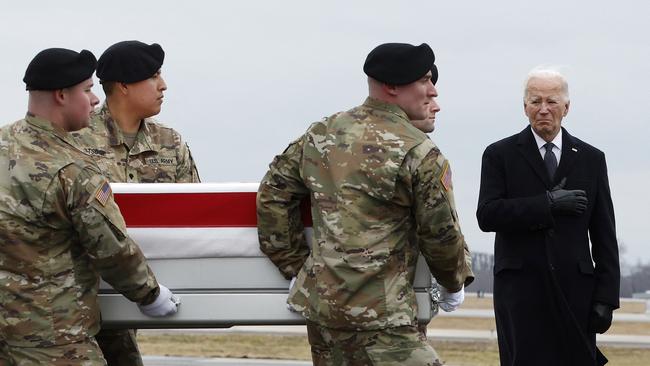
[{"x": 246, "y": 77}]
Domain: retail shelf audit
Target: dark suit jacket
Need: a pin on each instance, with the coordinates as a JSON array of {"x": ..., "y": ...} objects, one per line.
[{"x": 544, "y": 279}]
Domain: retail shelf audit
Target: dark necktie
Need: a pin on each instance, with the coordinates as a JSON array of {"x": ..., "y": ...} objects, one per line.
[{"x": 549, "y": 159}]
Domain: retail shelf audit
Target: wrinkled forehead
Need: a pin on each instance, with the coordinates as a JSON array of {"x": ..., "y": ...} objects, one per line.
[{"x": 545, "y": 87}]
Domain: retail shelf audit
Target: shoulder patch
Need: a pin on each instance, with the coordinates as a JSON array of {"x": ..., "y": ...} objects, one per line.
[
  {"x": 103, "y": 193},
  {"x": 445, "y": 178}
]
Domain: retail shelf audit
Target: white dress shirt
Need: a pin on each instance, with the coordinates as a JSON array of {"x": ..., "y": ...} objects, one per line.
[{"x": 557, "y": 141}]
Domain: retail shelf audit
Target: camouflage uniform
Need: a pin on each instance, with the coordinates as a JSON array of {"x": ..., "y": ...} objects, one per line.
[
  {"x": 157, "y": 156},
  {"x": 374, "y": 181},
  {"x": 59, "y": 230},
  {"x": 83, "y": 353},
  {"x": 397, "y": 346}
]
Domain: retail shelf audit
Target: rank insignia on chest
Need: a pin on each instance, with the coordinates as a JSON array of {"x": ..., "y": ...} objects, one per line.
[
  {"x": 103, "y": 193},
  {"x": 445, "y": 178}
]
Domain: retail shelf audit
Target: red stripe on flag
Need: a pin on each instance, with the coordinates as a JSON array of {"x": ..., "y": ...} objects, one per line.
[{"x": 222, "y": 209}]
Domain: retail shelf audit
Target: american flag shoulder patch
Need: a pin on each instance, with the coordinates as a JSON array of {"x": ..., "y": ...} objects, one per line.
[
  {"x": 103, "y": 193},
  {"x": 445, "y": 178}
]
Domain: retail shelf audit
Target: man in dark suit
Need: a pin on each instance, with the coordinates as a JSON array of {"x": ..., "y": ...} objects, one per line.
[{"x": 546, "y": 195}]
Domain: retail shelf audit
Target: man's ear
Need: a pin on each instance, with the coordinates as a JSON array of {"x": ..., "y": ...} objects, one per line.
[
  {"x": 60, "y": 96},
  {"x": 525, "y": 111},
  {"x": 390, "y": 89},
  {"x": 123, "y": 88},
  {"x": 566, "y": 109}
]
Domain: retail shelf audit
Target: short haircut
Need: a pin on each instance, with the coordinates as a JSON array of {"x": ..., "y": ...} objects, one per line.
[
  {"x": 108, "y": 87},
  {"x": 547, "y": 72}
]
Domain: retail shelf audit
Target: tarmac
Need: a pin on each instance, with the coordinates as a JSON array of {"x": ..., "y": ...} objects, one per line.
[{"x": 489, "y": 313}]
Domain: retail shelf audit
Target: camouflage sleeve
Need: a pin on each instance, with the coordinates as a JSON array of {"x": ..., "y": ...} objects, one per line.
[
  {"x": 439, "y": 237},
  {"x": 102, "y": 232},
  {"x": 279, "y": 223},
  {"x": 186, "y": 171}
]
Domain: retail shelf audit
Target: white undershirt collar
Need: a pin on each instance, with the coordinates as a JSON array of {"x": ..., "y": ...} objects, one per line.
[{"x": 557, "y": 141}]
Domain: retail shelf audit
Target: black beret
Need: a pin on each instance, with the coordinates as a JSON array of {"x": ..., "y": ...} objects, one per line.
[
  {"x": 434, "y": 74},
  {"x": 58, "y": 68},
  {"x": 130, "y": 62},
  {"x": 399, "y": 63}
]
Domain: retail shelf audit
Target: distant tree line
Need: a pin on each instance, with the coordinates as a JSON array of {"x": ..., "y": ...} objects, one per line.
[
  {"x": 482, "y": 264},
  {"x": 634, "y": 278},
  {"x": 637, "y": 279}
]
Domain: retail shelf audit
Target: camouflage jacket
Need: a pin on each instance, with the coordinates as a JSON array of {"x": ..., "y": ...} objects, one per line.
[
  {"x": 157, "y": 156},
  {"x": 380, "y": 194},
  {"x": 59, "y": 231}
]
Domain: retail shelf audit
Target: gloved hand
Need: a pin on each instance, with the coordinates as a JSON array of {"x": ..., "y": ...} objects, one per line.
[
  {"x": 573, "y": 202},
  {"x": 450, "y": 301},
  {"x": 600, "y": 318},
  {"x": 165, "y": 304},
  {"x": 291, "y": 283}
]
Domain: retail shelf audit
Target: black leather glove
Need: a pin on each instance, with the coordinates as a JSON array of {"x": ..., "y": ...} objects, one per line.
[
  {"x": 600, "y": 318},
  {"x": 566, "y": 202}
]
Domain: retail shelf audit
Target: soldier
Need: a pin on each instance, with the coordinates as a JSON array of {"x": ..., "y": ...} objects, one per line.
[
  {"x": 427, "y": 125},
  {"x": 129, "y": 146},
  {"x": 374, "y": 181},
  {"x": 59, "y": 226}
]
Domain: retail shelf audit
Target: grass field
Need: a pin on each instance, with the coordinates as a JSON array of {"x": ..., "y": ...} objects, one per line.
[
  {"x": 454, "y": 353},
  {"x": 297, "y": 348}
]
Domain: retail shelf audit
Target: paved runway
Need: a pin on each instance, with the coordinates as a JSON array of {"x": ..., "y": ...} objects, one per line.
[{"x": 489, "y": 313}]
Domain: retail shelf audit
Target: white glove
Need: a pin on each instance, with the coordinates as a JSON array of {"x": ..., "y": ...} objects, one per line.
[
  {"x": 291, "y": 283},
  {"x": 450, "y": 301},
  {"x": 165, "y": 304}
]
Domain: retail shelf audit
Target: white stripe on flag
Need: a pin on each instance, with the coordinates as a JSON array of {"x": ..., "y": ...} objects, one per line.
[{"x": 167, "y": 243}]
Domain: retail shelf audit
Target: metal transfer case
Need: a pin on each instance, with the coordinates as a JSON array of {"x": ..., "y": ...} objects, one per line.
[{"x": 201, "y": 242}]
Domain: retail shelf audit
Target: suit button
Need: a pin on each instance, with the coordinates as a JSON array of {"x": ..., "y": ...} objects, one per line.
[{"x": 551, "y": 233}]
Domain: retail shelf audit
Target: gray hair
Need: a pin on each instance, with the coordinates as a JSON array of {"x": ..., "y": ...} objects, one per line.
[{"x": 546, "y": 72}]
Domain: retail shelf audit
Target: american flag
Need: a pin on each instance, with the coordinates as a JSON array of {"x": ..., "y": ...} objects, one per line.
[
  {"x": 445, "y": 179},
  {"x": 201, "y": 241},
  {"x": 190, "y": 220},
  {"x": 103, "y": 193}
]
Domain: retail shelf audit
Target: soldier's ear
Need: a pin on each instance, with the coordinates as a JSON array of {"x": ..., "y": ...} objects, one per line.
[
  {"x": 59, "y": 96},
  {"x": 389, "y": 89},
  {"x": 122, "y": 88}
]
